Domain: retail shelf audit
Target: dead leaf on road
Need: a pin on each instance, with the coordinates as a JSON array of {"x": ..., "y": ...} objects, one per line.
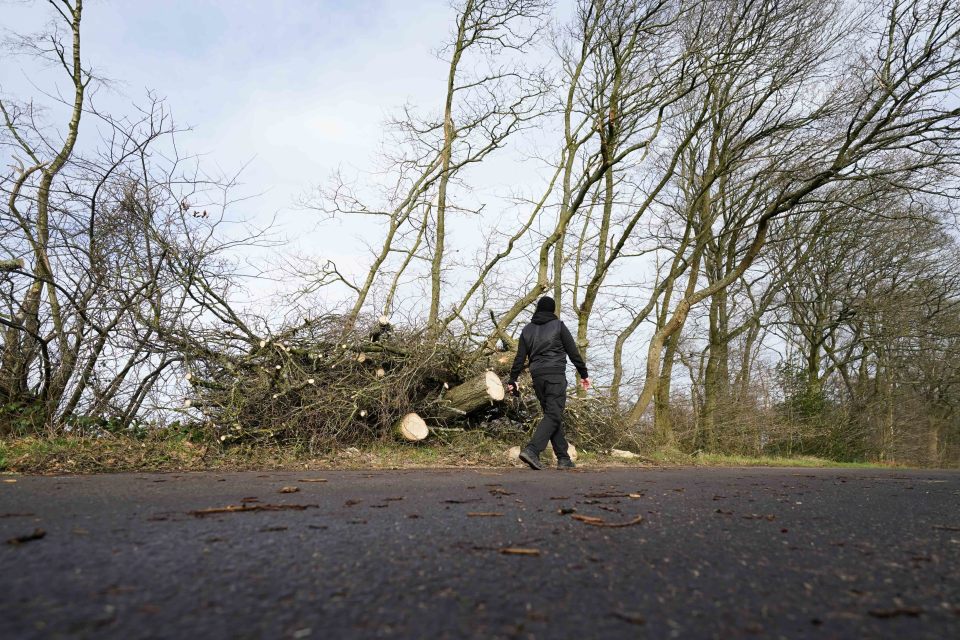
[
  {"x": 519, "y": 551},
  {"x": 36, "y": 535},
  {"x": 606, "y": 494},
  {"x": 289, "y": 490},
  {"x": 632, "y": 618},
  {"x": 911, "y": 612},
  {"x": 600, "y": 522},
  {"x": 312, "y": 480}
]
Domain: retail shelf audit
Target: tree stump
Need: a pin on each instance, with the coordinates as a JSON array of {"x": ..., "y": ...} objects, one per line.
[
  {"x": 411, "y": 428},
  {"x": 473, "y": 394}
]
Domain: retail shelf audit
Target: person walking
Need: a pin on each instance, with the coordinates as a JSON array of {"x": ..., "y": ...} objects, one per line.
[{"x": 547, "y": 342}]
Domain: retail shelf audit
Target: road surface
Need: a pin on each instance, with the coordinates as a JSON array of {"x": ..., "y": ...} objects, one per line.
[{"x": 474, "y": 553}]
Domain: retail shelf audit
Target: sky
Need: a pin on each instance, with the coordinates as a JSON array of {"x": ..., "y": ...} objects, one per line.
[{"x": 289, "y": 90}]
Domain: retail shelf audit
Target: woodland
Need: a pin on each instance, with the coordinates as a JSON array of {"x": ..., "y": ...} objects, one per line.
[{"x": 746, "y": 214}]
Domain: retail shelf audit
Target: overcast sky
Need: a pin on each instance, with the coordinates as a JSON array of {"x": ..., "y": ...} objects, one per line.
[{"x": 297, "y": 88}]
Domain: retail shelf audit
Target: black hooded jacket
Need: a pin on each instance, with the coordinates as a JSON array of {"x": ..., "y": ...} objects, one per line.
[{"x": 548, "y": 343}]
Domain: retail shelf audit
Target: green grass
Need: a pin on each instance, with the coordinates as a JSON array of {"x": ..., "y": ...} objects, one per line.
[
  {"x": 724, "y": 460},
  {"x": 161, "y": 451}
]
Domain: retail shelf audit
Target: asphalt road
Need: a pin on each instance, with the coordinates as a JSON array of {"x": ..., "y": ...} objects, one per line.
[{"x": 719, "y": 553}]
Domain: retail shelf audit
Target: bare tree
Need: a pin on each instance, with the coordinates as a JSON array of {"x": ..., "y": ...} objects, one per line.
[{"x": 892, "y": 110}]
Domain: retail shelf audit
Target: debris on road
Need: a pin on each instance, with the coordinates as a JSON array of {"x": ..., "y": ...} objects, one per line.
[
  {"x": 483, "y": 514},
  {"x": 289, "y": 490},
  {"x": 236, "y": 508},
  {"x": 600, "y": 522},
  {"x": 911, "y": 612},
  {"x": 606, "y": 494},
  {"x": 519, "y": 551},
  {"x": 632, "y": 618},
  {"x": 36, "y": 535}
]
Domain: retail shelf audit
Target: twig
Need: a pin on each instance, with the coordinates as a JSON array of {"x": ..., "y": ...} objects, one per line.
[{"x": 235, "y": 508}]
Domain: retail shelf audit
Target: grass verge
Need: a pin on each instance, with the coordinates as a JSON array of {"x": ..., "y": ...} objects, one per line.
[{"x": 71, "y": 454}]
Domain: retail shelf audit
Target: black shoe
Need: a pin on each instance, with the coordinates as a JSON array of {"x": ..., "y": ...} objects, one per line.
[
  {"x": 565, "y": 463},
  {"x": 531, "y": 459}
]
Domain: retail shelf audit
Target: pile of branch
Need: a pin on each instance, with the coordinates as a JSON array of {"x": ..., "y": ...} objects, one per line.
[
  {"x": 594, "y": 422},
  {"x": 323, "y": 386}
]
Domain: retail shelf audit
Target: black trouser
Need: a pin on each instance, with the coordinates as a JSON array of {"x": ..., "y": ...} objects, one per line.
[{"x": 551, "y": 391}]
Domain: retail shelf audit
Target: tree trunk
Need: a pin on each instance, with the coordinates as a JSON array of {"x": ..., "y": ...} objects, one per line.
[
  {"x": 473, "y": 394},
  {"x": 933, "y": 441},
  {"x": 716, "y": 375},
  {"x": 662, "y": 419}
]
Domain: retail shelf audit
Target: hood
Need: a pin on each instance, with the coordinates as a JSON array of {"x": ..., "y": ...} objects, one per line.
[{"x": 543, "y": 317}]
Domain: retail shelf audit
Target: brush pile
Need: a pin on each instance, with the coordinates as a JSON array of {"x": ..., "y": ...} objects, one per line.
[{"x": 320, "y": 385}]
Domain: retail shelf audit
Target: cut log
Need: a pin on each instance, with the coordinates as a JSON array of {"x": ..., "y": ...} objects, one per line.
[
  {"x": 411, "y": 427},
  {"x": 502, "y": 361},
  {"x": 620, "y": 453},
  {"x": 473, "y": 394}
]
